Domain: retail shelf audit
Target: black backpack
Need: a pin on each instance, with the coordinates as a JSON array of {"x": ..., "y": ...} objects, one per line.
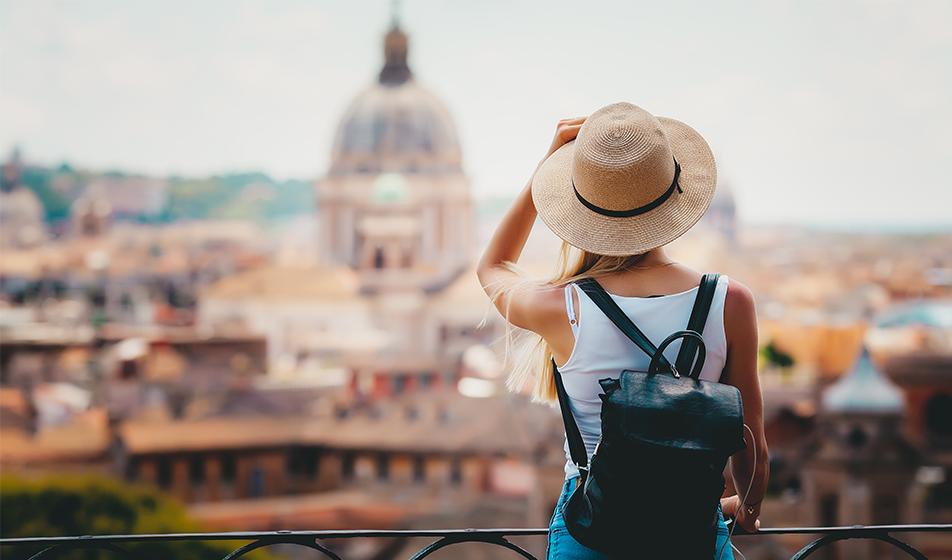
[{"x": 656, "y": 476}]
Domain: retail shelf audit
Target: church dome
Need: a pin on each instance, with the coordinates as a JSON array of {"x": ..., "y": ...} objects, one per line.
[
  {"x": 21, "y": 204},
  {"x": 395, "y": 125},
  {"x": 863, "y": 390}
]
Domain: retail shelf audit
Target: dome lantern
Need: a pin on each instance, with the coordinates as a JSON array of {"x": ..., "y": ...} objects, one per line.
[{"x": 395, "y": 69}]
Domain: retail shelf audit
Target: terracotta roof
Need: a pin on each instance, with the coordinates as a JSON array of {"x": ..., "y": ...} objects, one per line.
[
  {"x": 85, "y": 438},
  {"x": 428, "y": 422},
  {"x": 13, "y": 399},
  {"x": 281, "y": 283}
]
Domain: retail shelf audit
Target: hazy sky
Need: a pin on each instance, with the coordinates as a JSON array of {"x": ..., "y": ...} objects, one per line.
[{"x": 819, "y": 112}]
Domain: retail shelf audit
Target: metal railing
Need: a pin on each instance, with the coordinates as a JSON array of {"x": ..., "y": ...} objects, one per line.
[{"x": 54, "y": 546}]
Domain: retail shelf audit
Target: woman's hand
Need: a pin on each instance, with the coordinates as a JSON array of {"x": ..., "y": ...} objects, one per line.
[
  {"x": 565, "y": 132},
  {"x": 731, "y": 507}
]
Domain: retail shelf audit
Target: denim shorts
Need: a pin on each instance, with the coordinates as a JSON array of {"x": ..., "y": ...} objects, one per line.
[{"x": 563, "y": 547}]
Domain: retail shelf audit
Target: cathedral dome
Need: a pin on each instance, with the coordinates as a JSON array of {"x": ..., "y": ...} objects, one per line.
[
  {"x": 21, "y": 218},
  {"x": 396, "y": 125},
  {"x": 863, "y": 390}
]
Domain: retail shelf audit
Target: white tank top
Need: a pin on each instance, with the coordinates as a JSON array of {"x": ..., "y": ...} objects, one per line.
[{"x": 601, "y": 350}]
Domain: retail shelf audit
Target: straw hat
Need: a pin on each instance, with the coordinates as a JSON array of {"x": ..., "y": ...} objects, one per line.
[{"x": 630, "y": 182}]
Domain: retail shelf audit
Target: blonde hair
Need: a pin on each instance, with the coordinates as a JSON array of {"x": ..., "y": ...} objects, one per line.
[{"x": 533, "y": 368}]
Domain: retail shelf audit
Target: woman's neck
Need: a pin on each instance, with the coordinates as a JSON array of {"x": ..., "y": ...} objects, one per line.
[{"x": 654, "y": 257}]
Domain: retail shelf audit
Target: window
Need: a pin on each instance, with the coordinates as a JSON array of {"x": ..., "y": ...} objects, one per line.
[
  {"x": 196, "y": 470},
  {"x": 228, "y": 468},
  {"x": 256, "y": 482},
  {"x": 419, "y": 469},
  {"x": 456, "y": 472},
  {"x": 426, "y": 380},
  {"x": 399, "y": 383},
  {"x": 857, "y": 438},
  {"x": 128, "y": 369},
  {"x": 347, "y": 466},
  {"x": 383, "y": 467},
  {"x": 309, "y": 466},
  {"x": 132, "y": 469},
  {"x": 165, "y": 472},
  {"x": 302, "y": 462}
]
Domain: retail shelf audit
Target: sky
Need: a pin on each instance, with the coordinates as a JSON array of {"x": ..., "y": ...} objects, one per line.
[{"x": 833, "y": 114}]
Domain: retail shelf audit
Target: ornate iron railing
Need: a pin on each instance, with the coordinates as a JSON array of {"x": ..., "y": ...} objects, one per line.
[{"x": 54, "y": 546}]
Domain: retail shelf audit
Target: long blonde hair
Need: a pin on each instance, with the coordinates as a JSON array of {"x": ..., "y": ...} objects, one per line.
[{"x": 533, "y": 367}]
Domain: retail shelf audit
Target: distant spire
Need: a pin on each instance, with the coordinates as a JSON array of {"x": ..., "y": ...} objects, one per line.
[
  {"x": 395, "y": 69},
  {"x": 12, "y": 170},
  {"x": 394, "y": 14}
]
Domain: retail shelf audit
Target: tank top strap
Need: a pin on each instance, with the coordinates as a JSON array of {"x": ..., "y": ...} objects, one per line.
[{"x": 570, "y": 308}]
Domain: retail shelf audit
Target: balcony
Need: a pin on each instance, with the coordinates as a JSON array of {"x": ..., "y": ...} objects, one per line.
[{"x": 35, "y": 548}]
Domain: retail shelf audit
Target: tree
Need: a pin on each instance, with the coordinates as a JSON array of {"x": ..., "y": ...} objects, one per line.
[
  {"x": 97, "y": 505},
  {"x": 776, "y": 357}
]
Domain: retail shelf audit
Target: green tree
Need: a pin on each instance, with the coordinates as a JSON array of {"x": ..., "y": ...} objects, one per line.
[
  {"x": 776, "y": 357},
  {"x": 97, "y": 505},
  {"x": 55, "y": 204}
]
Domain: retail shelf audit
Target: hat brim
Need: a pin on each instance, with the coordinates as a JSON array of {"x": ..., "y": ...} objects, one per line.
[{"x": 560, "y": 209}]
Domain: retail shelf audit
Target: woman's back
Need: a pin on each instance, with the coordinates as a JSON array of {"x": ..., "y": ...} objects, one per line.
[
  {"x": 601, "y": 350},
  {"x": 616, "y": 187}
]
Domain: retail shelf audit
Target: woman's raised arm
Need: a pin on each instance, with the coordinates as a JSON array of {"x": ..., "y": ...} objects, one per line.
[{"x": 496, "y": 278}]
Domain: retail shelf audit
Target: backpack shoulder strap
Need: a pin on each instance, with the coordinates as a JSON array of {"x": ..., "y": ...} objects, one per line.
[
  {"x": 608, "y": 306},
  {"x": 702, "y": 305},
  {"x": 572, "y": 433},
  {"x": 615, "y": 314}
]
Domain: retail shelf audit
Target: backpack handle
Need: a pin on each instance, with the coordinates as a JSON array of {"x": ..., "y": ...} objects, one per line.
[{"x": 655, "y": 366}]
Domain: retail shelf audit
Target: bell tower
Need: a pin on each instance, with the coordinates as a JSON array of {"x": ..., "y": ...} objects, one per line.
[{"x": 863, "y": 468}]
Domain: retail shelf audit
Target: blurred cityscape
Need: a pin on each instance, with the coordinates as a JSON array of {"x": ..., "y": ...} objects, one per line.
[{"x": 318, "y": 354}]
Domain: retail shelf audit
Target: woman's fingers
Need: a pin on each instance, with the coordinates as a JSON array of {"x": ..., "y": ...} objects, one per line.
[
  {"x": 750, "y": 524},
  {"x": 576, "y": 120},
  {"x": 729, "y": 506},
  {"x": 564, "y": 133},
  {"x": 568, "y": 132}
]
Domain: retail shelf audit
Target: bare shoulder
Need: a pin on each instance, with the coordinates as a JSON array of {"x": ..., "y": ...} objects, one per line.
[
  {"x": 544, "y": 302},
  {"x": 536, "y": 306},
  {"x": 740, "y": 313},
  {"x": 739, "y": 300}
]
